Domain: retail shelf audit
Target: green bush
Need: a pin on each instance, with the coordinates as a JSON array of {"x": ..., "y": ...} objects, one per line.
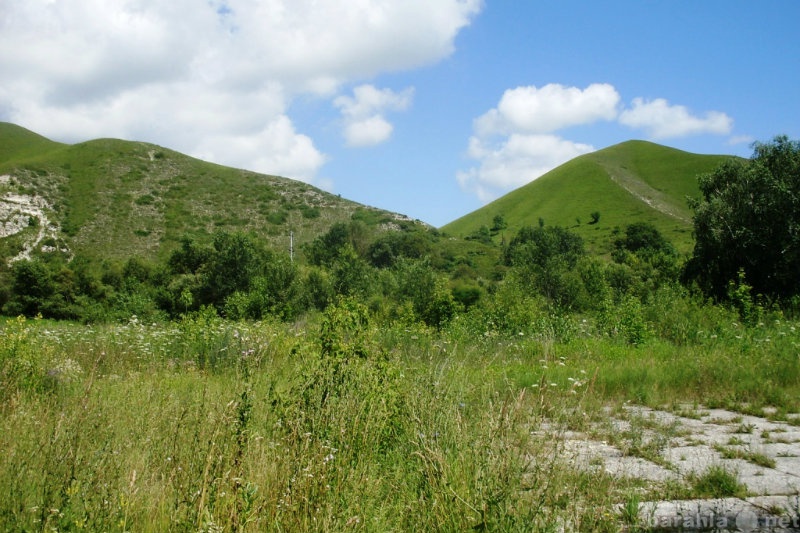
[
  {"x": 624, "y": 319},
  {"x": 349, "y": 373},
  {"x": 32, "y": 286}
]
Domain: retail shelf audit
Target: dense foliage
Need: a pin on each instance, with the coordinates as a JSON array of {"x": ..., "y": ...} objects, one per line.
[
  {"x": 749, "y": 220},
  {"x": 239, "y": 278},
  {"x": 398, "y": 275}
]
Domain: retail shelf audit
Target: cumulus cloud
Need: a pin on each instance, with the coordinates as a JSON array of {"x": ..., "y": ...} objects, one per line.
[
  {"x": 741, "y": 139},
  {"x": 183, "y": 73},
  {"x": 514, "y": 143},
  {"x": 363, "y": 113},
  {"x": 550, "y": 108},
  {"x": 275, "y": 149},
  {"x": 663, "y": 121},
  {"x": 368, "y": 131}
]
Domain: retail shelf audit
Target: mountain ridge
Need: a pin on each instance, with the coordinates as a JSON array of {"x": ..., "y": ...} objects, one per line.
[{"x": 114, "y": 199}]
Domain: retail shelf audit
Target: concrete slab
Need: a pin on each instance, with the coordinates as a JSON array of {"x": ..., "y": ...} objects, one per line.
[
  {"x": 751, "y": 515},
  {"x": 691, "y": 445},
  {"x": 787, "y": 436},
  {"x": 762, "y": 481},
  {"x": 693, "y": 459},
  {"x": 789, "y": 465}
]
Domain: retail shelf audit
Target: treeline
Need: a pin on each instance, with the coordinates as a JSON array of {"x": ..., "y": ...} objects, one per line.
[
  {"x": 747, "y": 257},
  {"x": 399, "y": 275},
  {"x": 397, "y": 272},
  {"x": 548, "y": 279}
]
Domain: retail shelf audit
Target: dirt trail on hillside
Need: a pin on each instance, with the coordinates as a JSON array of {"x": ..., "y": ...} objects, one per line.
[{"x": 644, "y": 192}]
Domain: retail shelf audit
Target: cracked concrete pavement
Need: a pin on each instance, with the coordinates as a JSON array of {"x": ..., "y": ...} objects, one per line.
[{"x": 663, "y": 447}]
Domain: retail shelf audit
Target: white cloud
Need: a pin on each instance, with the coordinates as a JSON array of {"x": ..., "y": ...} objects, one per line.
[
  {"x": 662, "y": 120},
  {"x": 367, "y": 132},
  {"x": 276, "y": 149},
  {"x": 183, "y": 72},
  {"x": 741, "y": 139},
  {"x": 549, "y": 108},
  {"x": 517, "y": 160},
  {"x": 514, "y": 142},
  {"x": 368, "y": 100},
  {"x": 364, "y": 120}
]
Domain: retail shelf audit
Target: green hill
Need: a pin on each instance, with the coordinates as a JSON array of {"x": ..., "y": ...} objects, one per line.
[
  {"x": 17, "y": 143},
  {"x": 114, "y": 199},
  {"x": 635, "y": 181}
]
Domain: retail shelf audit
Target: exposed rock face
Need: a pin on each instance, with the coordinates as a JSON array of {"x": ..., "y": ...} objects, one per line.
[{"x": 21, "y": 212}]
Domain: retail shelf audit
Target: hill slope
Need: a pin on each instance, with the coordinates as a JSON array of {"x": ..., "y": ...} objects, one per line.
[
  {"x": 107, "y": 199},
  {"x": 635, "y": 181},
  {"x": 17, "y": 143}
]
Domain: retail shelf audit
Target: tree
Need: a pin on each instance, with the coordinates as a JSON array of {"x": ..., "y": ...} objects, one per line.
[
  {"x": 544, "y": 259},
  {"x": 498, "y": 224},
  {"x": 189, "y": 257},
  {"x": 32, "y": 285},
  {"x": 651, "y": 257},
  {"x": 643, "y": 238},
  {"x": 482, "y": 234},
  {"x": 749, "y": 219},
  {"x": 389, "y": 248},
  {"x": 544, "y": 245},
  {"x": 419, "y": 284},
  {"x": 324, "y": 250},
  {"x": 350, "y": 274},
  {"x": 236, "y": 260}
]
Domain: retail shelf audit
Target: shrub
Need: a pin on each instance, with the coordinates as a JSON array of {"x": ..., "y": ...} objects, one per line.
[
  {"x": 349, "y": 375},
  {"x": 643, "y": 238},
  {"x": 32, "y": 285},
  {"x": 624, "y": 319}
]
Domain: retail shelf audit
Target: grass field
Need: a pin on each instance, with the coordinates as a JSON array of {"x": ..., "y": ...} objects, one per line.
[{"x": 336, "y": 424}]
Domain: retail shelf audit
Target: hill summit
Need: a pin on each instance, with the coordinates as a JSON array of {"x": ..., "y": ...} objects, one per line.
[{"x": 596, "y": 194}]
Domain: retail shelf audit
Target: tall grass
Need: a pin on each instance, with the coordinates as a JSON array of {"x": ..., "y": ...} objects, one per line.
[{"x": 338, "y": 424}]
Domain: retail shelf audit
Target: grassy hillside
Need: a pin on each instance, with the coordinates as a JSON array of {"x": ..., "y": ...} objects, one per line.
[
  {"x": 629, "y": 182},
  {"x": 109, "y": 198},
  {"x": 17, "y": 143}
]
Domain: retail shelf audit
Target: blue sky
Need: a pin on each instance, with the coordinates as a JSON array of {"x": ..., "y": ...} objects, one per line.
[{"x": 429, "y": 108}]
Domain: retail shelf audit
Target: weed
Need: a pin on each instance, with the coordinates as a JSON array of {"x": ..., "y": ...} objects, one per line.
[
  {"x": 744, "y": 428},
  {"x": 340, "y": 422},
  {"x": 629, "y": 512},
  {"x": 757, "y": 458},
  {"x": 716, "y": 482}
]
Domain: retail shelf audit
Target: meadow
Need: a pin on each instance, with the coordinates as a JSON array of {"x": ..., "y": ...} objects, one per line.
[{"x": 339, "y": 421}]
